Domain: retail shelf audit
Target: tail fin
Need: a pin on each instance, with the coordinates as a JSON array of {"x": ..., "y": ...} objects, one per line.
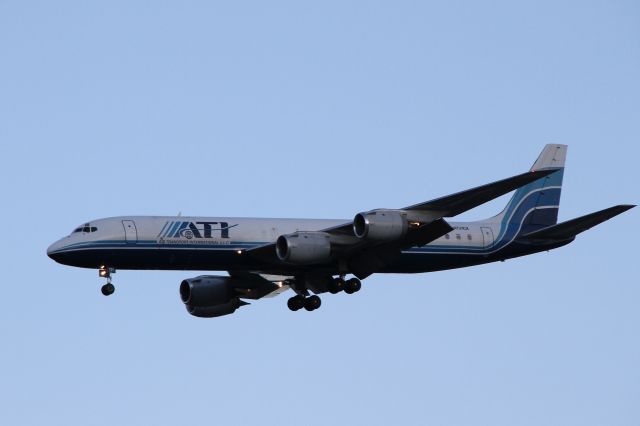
[{"x": 535, "y": 205}]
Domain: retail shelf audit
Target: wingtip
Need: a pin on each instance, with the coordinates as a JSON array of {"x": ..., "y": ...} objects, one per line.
[{"x": 621, "y": 208}]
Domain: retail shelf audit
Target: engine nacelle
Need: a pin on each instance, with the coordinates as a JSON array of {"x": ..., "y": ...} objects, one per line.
[
  {"x": 304, "y": 247},
  {"x": 214, "y": 311},
  {"x": 380, "y": 225},
  {"x": 209, "y": 296}
]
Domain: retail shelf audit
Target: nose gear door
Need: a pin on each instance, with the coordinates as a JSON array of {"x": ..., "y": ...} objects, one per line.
[{"x": 130, "y": 231}]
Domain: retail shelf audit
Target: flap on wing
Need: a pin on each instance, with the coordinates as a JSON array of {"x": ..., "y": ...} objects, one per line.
[
  {"x": 571, "y": 228},
  {"x": 425, "y": 234},
  {"x": 373, "y": 259},
  {"x": 452, "y": 205},
  {"x": 249, "y": 285}
]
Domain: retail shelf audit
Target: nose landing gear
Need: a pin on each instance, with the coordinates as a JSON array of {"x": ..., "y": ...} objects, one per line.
[
  {"x": 105, "y": 272},
  {"x": 108, "y": 289}
]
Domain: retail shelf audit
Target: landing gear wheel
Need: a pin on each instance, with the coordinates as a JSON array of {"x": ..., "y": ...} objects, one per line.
[
  {"x": 108, "y": 289},
  {"x": 352, "y": 285},
  {"x": 296, "y": 303},
  {"x": 336, "y": 285},
  {"x": 312, "y": 303}
]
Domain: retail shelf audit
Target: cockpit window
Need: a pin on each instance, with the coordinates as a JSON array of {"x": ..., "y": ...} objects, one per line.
[{"x": 85, "y": 228}]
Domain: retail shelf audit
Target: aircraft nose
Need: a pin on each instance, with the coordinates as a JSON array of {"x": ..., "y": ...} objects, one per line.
[{"x": 54, "y": 249}]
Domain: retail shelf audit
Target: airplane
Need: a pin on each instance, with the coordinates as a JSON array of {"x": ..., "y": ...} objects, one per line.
[{"x": 265, "y": 257}]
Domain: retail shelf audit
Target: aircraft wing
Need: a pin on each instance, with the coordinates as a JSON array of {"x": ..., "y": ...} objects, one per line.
[
  {"x": 453, "y": 205},
  {"x": 460, "y": 202},
  {"x": 365, "y": 257}
]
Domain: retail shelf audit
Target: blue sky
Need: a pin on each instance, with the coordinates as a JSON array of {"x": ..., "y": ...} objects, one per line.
[{"x": 292, "y": 109}]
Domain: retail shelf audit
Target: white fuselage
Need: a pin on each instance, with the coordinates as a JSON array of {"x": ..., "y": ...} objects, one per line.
[
  {"x": 236, "y": 233},
  {"x": 218, "y": 243}
]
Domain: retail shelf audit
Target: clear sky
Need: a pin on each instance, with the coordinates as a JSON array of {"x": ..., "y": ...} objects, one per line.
[{"x": 323, "y": 109}]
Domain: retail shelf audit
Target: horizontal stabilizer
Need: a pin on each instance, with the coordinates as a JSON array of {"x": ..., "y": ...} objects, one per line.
[{"x": 571, "y": 228}]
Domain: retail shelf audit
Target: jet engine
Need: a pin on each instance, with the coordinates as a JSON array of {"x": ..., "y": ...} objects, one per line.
[
  {"x": 304, "y": 247},
  {"x": 380, "y": 225},
  {"x": 209, "y": 296}
]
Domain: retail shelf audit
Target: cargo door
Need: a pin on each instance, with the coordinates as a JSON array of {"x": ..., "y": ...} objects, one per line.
[{"x": 487, "y": 236}]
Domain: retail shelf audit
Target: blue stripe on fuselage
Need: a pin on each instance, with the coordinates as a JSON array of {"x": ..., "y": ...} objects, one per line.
[{"x": 510, "y": 226}]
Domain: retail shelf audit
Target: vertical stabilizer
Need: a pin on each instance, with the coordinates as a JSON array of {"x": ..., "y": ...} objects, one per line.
[
  {"x": 552, "y": 156},
  {"x": 535, "y": 205}
]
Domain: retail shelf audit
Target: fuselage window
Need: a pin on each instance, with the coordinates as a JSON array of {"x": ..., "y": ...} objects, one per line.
[
  {"x": 458, "y": 237},
  {"x": 469, "y": 237},
  {"x": 446, "y": 236}
]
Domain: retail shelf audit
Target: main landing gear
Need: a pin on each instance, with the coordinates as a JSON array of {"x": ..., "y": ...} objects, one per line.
[
  {"x": 311, "y": 303},
  {"x": 105, "y": 272},
  {"x": 349, "y": 286},
  {"x": 299, "y": 301}
]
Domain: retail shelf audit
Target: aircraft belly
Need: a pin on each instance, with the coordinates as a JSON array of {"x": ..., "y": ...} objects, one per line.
[
  {"x": 159, "y": 259},
  {"x": 429, "y": 262}
]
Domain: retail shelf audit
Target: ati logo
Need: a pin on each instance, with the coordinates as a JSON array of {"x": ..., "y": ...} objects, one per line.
[{"x": 189, "y": 230}]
